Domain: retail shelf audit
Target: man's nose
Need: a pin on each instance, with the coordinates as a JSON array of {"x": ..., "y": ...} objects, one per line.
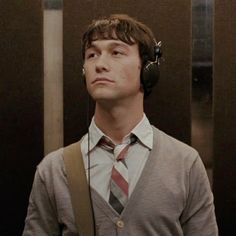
[{"x": 102, "y": 63}]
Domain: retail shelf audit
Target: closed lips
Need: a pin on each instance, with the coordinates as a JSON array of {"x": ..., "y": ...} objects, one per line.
[{"x": 102, "y": 80}]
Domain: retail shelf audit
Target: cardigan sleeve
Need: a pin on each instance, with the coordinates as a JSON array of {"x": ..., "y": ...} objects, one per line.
[
  {"x": 41, "y": 218},
  {"x": 198, "y": 217}
]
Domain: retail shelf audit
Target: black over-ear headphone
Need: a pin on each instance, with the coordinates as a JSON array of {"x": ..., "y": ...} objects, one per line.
[{"x": 150, "y": 71}]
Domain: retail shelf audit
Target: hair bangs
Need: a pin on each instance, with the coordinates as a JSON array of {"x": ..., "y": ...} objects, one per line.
[{"x": 109, "y": 29}]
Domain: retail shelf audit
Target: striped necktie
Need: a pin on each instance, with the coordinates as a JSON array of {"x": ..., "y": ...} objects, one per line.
[{"x": 119, "y": 186}]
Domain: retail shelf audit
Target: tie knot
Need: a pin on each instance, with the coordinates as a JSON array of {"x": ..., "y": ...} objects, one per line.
[
  {"x": 119, "y": 150},
  {"x": 106, "y": 144}
]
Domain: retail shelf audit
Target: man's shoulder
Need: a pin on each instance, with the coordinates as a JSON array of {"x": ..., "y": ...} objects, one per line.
[
  {"x": 52, "y": 163},
  {"x": 52, "y": 158},
  {"x": 168, "y": 139},
  {"x": 173, "y": 147}
]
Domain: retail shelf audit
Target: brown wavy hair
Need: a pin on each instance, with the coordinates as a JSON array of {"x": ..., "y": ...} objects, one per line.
[{"x": 121, "y": 27}]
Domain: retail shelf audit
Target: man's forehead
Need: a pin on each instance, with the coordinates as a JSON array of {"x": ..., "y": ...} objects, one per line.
[{"x": 108, "y": 42}]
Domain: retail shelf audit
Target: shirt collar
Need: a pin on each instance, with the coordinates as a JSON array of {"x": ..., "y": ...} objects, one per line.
[
  {"x": 94, "y": 135},
  {"x": 143, "y": 131}
]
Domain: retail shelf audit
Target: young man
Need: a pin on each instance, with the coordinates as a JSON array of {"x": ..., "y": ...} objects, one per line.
[{"x": 144, "y": 182}]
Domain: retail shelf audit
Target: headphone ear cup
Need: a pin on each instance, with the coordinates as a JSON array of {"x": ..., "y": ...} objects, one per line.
[{"x": 149, "y": 76}]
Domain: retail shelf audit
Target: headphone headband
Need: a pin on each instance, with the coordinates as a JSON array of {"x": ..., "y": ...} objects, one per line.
[{"x": 157, "y": 51}]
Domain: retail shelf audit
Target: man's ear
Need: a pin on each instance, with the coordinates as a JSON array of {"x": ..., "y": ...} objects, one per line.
[
  {"x": 83, "y": 75},
  {"x": 83, "y": 72}
]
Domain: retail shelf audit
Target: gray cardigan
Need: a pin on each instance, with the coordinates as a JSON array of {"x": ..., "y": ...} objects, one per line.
[{"x": 172, "y": 197}]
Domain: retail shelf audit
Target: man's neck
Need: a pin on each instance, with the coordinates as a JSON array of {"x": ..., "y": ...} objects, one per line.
[{"x": 117, "y": 121}]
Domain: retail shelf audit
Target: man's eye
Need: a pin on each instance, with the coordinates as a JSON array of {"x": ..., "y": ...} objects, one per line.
[
  {"x": 91, "y": 55},
  {"x": 116, "y": 52}
]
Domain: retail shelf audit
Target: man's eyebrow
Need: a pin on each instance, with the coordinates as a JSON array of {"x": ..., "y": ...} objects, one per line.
[
  {"x": 111, "y": 44},
  {"x": 91, "y": 45},
  {"x": 119, "y": 44}
]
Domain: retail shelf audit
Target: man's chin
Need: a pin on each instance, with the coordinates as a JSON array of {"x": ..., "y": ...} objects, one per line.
[{"x": 103, "y": 96}]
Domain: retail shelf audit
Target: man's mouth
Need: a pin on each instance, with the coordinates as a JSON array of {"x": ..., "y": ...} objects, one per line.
[{"x": 102, "y": 80}]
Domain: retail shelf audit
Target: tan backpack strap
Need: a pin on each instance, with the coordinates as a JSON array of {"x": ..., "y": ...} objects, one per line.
[{"x": 79, "y": 189}]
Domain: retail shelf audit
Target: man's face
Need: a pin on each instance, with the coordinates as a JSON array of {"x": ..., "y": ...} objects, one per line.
[{"x": 112, "y": 70}]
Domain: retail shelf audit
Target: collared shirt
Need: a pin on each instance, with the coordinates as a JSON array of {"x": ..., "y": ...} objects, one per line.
[{"x": 101, "y": 161}]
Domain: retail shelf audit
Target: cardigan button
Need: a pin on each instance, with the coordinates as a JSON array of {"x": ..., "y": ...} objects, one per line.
[{"x": 120, "y": 224}]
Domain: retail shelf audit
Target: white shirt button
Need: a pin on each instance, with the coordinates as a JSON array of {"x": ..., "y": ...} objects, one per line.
[{"x": 120, "y": 224}]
